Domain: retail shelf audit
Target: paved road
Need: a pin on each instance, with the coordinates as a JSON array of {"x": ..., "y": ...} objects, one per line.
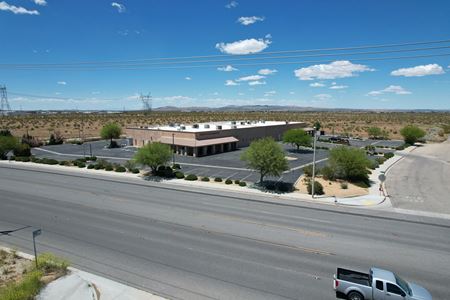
[
  {"x": 421, "y": 180},
  {"x": 193, "y": 245}
]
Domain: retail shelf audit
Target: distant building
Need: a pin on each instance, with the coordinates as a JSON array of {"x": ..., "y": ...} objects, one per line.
[{"x": 209, "y": 138}]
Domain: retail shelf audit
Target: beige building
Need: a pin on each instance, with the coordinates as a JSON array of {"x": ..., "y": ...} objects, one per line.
[{"x": 210, "y": 138}]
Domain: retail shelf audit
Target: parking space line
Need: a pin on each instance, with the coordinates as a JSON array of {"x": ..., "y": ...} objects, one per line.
[
  {"x": 231, "y": 175},
  {"x": 302, "y": 166}
]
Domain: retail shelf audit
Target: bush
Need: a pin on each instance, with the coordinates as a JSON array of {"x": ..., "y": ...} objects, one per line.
[
  {"x": 271, "y": 186},
  {"x": 344, "y": 185},
  {"x": 349, "y": 163},
  {"x": 388, "y": 155},
  {"x": 109, "y": 168},
  {"x": 130, "y": 164},
  {"x": 318, "y": 188},
  {"x": 166, "y": 172},
  {"x": 176, "y": 167},
  {"x": 48, "y": 161},
  {"x": 49, "y": 263},
  {"x": 308, "y": 170},
  {"x": 285, "y": 187},
  {"x": 191, "y": 177},
  {"x": 412, "y": 134},
  {"x": 402, "y": 147},
  {"x": 237, "y": 181},
  {"x": 22, "y": 159},
  {"x": 97, "y": 167},
  {"x": 218, "y": 179},
  {"x": 179, "y": 175},
  {"x": 120, "y": 169},
  {"x": 374, "y": 164},
  {"x": 81, "y": 165},
  {"x": 328, "y": 173},
  {"x": 25, "y": 289},
  {"x": 35, "y": 159},
  {"x": 91, "y": 166},
  {"x": 135, "y": 171},
  {"x": 228, "y": 181},
  {"x": 380, "y": 160},
  {"x": 242, "y": 183},
  {"x": 22, "y": 150},
  {"x": 206, "y": 179}
]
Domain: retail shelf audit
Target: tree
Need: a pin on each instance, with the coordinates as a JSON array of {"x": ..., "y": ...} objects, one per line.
[
  {"x": 377, "y": 133},
  {"x": 411, "y": 134},
  {"x": 265, "y": 156},
  {"x": 56, "y": 139},
  {"x": 153, "y": 155},
  {"x": 111, "y": 131},
  {"x": 349, "y": 163},
  {"x": 297, "y": 137},
  {"x": 317, "y": 125},
  {"x": 7, "y": 143}
]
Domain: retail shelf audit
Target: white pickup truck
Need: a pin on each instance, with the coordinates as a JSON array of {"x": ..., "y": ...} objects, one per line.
[{"x": 377, "y": 285}]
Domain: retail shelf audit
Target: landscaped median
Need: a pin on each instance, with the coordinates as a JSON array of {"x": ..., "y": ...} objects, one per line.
[{"x": 20, "y": 279}]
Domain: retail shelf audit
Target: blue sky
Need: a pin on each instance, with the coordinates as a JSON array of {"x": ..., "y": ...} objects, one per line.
[{"x": 43, "y": 32}]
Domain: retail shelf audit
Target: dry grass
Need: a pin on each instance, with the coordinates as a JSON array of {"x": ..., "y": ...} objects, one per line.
[
  {"x": 74, "y": 125},
  {"x": 333, "y": 188}
]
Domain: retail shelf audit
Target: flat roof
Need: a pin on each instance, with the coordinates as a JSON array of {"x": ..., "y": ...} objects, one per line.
[
  {"x": 212, "y": 126},
  {"x": 198, "y": 143}
]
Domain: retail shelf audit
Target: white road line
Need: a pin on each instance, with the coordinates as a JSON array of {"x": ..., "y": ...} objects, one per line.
[
  {"x": 251, "y": 173},
  {"x": 78, "y": 155},
  {"x": 302, "y": 166}
]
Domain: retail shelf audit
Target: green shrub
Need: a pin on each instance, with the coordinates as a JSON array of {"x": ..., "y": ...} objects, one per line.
[
  {"x": 35, "y": 159},
  {"x": 237, "y": 181},
  {"x": 374, "y": 164},
  {"x": 23, "y": 150},
  {"x": 380, "y": 160},
  {"x": 228, "y": 181},
  {"x": 179, "y": 175},
  {"x": 176, "y": 167},
  {"x": 48, "y": 161},
  {"x": 22, "y": 159},
  {"x": 218, "y": 179},
  {"x": 388, "y": 155},
  {"x": 191, "y": 177},
  {"x": 91, "y": 166},
  {"x": 62, "y": 163},
  {"x": 97, "y": 167},
  {"x": 344, "y": 185},
  {"x": 135, "y": 171},
  {"x": 49, "y": 263},
  {"x": 81, "y": 165},
  {"x": 308, "y": 170},
  {"x": 28, "y": 288},
  {"x": 242, "y": 183},
  {"x": 120, "y": 169},
  {"x": 318, "y": 188},
  {"x": 328, "y": 173},
  {"x": 285, "y": 187},
  {"x": 206, "y": 179},
  {"x": 109, "y": 168}
]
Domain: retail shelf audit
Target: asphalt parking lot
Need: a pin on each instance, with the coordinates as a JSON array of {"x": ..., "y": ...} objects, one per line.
[{"x": 225, "y": 165}]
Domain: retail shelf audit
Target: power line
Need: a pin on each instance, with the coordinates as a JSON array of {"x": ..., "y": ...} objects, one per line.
[
  {"x": 145, "y": 67},
  {"x": 118, "y": 62}
]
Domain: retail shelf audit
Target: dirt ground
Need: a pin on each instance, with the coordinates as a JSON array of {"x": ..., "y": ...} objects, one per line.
[
  {"x": 86, "y": 125},
  {"x": 12, "y": 267},
  {"x": 332, "y": 188}
]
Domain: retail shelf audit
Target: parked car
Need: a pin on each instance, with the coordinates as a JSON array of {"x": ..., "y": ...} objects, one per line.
[{"x": 378, "y": 284}]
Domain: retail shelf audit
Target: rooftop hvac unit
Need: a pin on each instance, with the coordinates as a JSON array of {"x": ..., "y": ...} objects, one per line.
[
  {"x": 171, "y": 124},
  {"x": 242, "y": 123},
  {"x": 248, "y": 122},
  {"x": 233, "y": 122},
  {"x": 195, "y": 126},
  {"x": 233, "y": 126},
  {"x": 182, "y": 127},
  {"x": 206, "y": 126},
  {"x": 219, "y": 127}
]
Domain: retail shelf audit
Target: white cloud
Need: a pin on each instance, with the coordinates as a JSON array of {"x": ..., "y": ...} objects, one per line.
[
  {"x": 267, "y": 71},
  {"x": 176, "y": 98},
  {"x": 251, "y": 78},
  {"x": 256, "y": 82},
  {"x": 392, "y": 89},
  {"x": 291, "y": 93},
  {"x": 241, "y": 47},
  {"x": 227, "y": 68},
  {"x": 269, "y": 93},
  {"x": 40, "y": 2},
  {"x": 419, "y": 71},
  {"x": 338, "y": 87},
  {"x": 188, "y": 78},
  {"x": 61, "y": 83},
  {"x": 323, "y": 97},
  {"x": 336, "y": 69},
  {"x": 17, "y": 10},
  {"x": 316, "y": 84},
  {"x": 231, "y": 83},
  {"x": 232, "y": 4},
  {"x": 120, "y": 7},
  {"x": 250, "y": 20}
]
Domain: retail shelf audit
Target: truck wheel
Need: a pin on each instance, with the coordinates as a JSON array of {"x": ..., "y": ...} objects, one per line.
[{"x": 355, "y": 296}]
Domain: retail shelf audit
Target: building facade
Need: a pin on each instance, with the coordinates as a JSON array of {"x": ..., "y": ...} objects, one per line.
[{"x": 210, "y": 138}]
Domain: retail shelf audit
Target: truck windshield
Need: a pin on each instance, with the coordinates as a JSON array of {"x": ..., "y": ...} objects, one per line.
[{"x": 403, "y": 284}]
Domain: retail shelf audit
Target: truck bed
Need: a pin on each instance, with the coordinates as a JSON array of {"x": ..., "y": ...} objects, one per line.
[{"x": 353, "y": 276}]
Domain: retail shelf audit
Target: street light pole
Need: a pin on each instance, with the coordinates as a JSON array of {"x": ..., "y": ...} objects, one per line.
[{"x": 314, "y": 163}]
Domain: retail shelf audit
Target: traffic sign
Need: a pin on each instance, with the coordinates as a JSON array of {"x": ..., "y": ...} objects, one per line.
[
  {"x": 382, "y": 177},
  {"x": 37, "y": 232}
]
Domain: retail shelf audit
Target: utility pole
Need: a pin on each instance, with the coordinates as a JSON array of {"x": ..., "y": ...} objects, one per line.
[
  {"x": 173, "y": 149},
  {"x": 4, "y": 107},
  {"x": 314, "y": 163}
]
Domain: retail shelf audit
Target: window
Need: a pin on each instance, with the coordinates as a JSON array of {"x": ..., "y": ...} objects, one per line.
[
  {"x": 391, "y": 288},
  {"x": 379, "y": 285}
]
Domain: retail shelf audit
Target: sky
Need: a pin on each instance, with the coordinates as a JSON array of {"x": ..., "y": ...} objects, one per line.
[{"x": 232, "y": 36}]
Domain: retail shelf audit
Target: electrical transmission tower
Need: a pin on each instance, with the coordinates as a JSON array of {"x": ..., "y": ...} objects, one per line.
[
  {"x": 147, "y": 102},
  {"x": 5, "y": 108}
]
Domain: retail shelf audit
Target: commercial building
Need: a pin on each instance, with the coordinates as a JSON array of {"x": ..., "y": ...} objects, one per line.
[{"x": 210, "y": 138}]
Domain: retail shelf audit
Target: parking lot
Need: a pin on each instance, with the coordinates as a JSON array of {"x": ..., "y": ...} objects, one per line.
[{"x": 226, "y": 165}]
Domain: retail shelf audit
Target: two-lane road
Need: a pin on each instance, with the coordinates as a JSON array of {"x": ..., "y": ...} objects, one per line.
[{"x": 195, "y": 245}]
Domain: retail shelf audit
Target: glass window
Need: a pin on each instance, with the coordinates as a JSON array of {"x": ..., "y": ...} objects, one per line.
[
  {"x": 391, "y": 288},
  {"x": 379, "y": 285}
]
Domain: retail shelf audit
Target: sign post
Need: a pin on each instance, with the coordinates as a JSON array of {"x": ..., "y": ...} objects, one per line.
[{"x": 35, "y": 234}]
